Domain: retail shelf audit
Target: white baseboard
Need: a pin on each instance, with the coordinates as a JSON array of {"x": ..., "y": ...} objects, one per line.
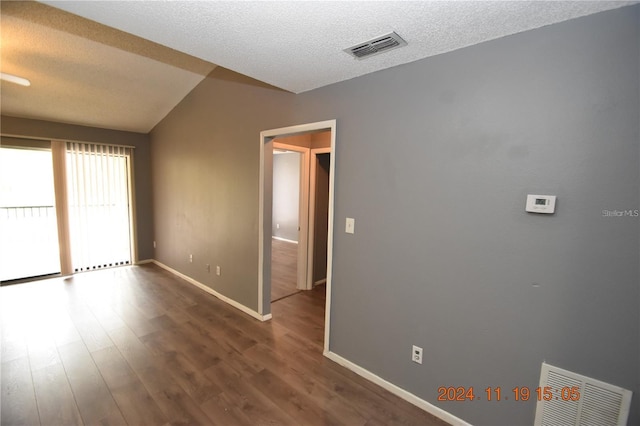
[
  {"x": 285, "y": 240},
  {"x": 209, "y": 290},
  {"x": 398, "y": 391},
  {"x": 322, "y": 281},
  {"x": 142, "y": 262}
]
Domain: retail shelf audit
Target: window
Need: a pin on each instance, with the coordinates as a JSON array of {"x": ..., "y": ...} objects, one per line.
[
  {"x": 64, "y": 207},
  {"x": 99, "y": 207},
  {"x": 29, "y": 242}
]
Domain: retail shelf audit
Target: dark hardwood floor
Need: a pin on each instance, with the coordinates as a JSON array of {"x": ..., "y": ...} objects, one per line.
[
  {"x": 138, "y": 346},
  {"x": 284, "y": 269}
]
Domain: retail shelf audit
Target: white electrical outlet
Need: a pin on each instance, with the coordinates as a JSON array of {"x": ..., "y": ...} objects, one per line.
[
  {"x": 154, "y": 245},
  {"x": 277, "y": 226},
  {"x": 416, "y": 354},
  {"x": 218, "y": 270},
  {"x": 190, "y": 258}
]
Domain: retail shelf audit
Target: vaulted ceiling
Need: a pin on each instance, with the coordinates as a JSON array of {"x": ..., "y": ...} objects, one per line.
[
  {"x": 82, "y": 72},
  {"x": 124, "y": 64}
]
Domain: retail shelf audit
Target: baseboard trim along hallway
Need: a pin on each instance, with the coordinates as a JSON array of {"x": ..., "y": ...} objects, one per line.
[
  {"x": 398, "y": 391},
  {"x": 211, "y": 291}
]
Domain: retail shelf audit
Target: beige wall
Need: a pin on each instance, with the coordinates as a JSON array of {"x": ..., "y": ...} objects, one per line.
[
  {"x": 308, "y": 140},
  {"x": 320, "y": 140},
  {"x": 12, "y": 126},
  {"x": 205, "y": 162}
]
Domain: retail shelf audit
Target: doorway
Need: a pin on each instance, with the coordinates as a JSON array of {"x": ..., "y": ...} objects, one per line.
[
  {"x": 269, "y": 139},
  {"x": 288, "y": 175},
  {"x": 319, "y": 186},
  {"x": 300, "y": 210}
]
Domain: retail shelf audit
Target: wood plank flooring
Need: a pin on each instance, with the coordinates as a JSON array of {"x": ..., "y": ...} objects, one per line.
[
  {"x": 284, "y": 269},
  {"x": 138, "y": 346}
]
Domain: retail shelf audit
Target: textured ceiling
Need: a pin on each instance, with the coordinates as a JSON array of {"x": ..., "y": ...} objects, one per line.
[
  {"x": 85, "y": 73},
  {"x": 298, "y": 45},
  {"x": 130, "y": 62}
]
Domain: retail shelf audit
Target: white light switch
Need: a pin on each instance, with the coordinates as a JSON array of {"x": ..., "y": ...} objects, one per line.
[{"x": 350, "y": 225}]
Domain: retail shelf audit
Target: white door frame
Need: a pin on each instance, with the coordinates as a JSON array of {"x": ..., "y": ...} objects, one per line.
[
  {"x": 265, "y": 198},
  {"x": 303, "y": 212}
]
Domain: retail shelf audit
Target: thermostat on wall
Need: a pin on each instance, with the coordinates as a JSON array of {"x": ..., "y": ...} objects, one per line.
[{"x": 541, "y": 203}]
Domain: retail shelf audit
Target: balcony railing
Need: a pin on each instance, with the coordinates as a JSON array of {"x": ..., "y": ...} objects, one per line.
[{"x": 28, "y": 242}]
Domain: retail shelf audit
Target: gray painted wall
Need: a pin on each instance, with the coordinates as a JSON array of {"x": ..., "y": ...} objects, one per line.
[
  {"x": 142, "y": 162},
  {"x": 286, "y": 195},
  {"x": 444, "y": 255}
]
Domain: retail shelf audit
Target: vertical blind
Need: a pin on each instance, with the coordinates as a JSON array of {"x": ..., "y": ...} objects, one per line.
[{"x": 99, "y": 205}]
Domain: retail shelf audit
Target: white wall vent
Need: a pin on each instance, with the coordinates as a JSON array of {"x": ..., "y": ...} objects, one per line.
[
  {"x": 598, "y": 403},
  {"x": 377, "y": 45}
]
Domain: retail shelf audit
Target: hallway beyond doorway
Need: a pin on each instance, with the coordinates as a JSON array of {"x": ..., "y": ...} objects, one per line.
[{"x": 284, "y": 261}]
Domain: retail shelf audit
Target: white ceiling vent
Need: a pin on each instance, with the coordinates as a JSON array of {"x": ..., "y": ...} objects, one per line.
[
  {"x": 377, "y": 45},
  {"x": 566, "y": 398}
]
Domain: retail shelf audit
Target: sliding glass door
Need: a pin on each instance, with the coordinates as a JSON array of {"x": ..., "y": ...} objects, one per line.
[
  {"x": 65, "y": 207},
  {"x": 28, "y": 229},
  {"x": 98, "y": 192}
]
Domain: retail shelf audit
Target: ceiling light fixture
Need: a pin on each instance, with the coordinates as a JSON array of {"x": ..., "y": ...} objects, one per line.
[{"x": 14, "y": 79}]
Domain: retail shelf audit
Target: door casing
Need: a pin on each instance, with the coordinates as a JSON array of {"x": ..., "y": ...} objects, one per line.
[{"x": 264, "y": 215}]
